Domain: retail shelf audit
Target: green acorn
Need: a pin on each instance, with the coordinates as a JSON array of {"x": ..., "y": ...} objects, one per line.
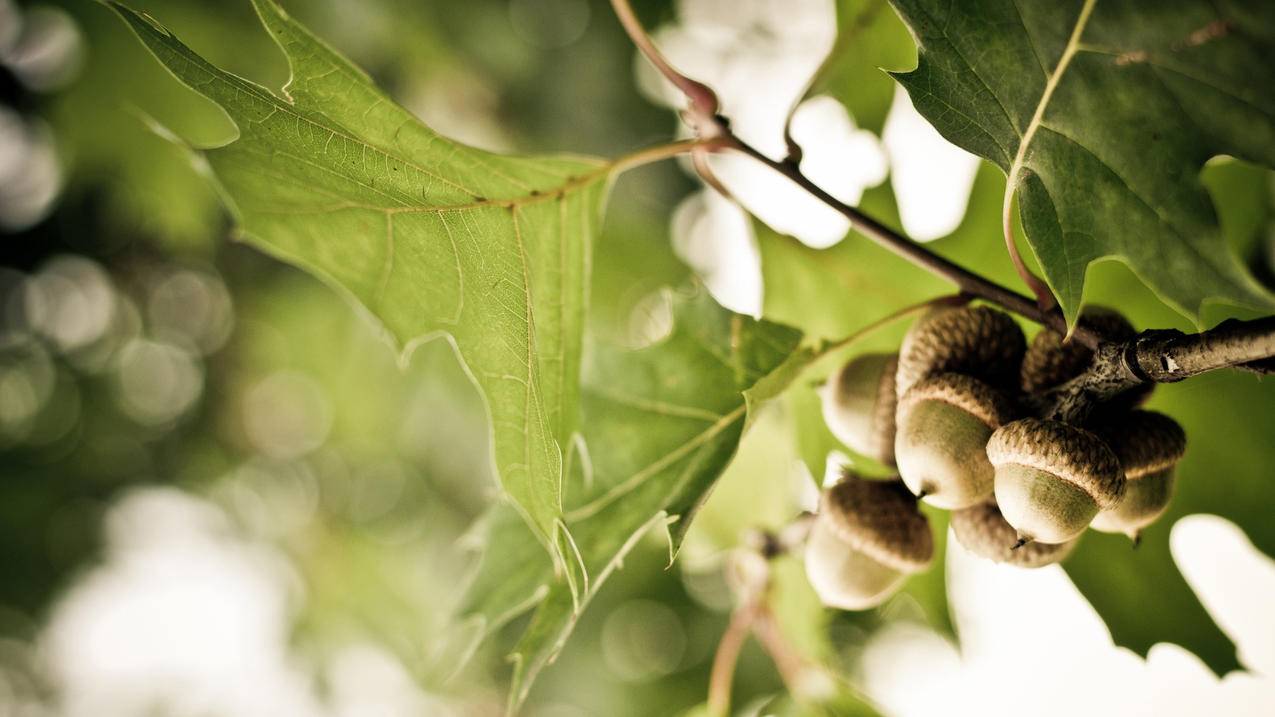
[
  {"x": 868, "y": 537},
  {"x": 1149, "y": 446},
  {"x": 859, "y": 404},
  {"x": 983, "y": 531},
  {"x": 976, "y": 341},
  {"x": 1052, "y": 478},
  {"x": 944, "y": 422}
]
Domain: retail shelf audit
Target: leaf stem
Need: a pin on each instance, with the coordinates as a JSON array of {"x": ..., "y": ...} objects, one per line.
[
  {"x": 1044, "y": 297},
  {"x": 830, "y": 346},
  {"x": 659, "y": 152},
  {"x": 703, "y": 104}
]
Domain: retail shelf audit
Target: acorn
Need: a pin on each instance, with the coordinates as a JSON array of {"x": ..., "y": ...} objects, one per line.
[
  {"x": 944, "y": 423},
  {"x": 868, "y": 538},
  {"x": 1149, "y": 446},
  {"x": 859, "y": 403},
  {"x": 1051, "y": 361},
  {"x": 1052, "y": 478},
  {"x": 976, "y": 341},
  {"x": 983, "y": 531}
]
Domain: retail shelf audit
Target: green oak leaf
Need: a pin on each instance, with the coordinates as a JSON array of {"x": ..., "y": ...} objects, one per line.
[
  {"x": 660, "y": 424},
  {"x": 1102, "y": 114},
  {"x": 431, "y": 237}
]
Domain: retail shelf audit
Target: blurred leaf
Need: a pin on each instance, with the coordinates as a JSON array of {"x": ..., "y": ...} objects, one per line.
[
  {"x": 869, "y": 37},
  {"x": 148, "y": 183},
  {"x": 430, "y": 236},
  {"x": 1106, "y": 149},
  {"x": 660, "y": 424}
]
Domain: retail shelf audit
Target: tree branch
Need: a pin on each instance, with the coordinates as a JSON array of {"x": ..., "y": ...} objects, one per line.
[
  {"x": 967, "y": 281},
  {"x": 1163, "y": 356},
  {"x": 1152, "y": 357}
]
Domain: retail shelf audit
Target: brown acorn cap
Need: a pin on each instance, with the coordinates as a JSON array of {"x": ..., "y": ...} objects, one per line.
[
  {"x": 976, "y": 341},
  {"x": 879, "y": 518},
  {"x": 983, "y": 531},
  {"x": 969, "y": 394},
  {"x": 1145, "y": 442},
  {"x": 1063, "y": 450},
  {"x": 1050, "y": 361}
]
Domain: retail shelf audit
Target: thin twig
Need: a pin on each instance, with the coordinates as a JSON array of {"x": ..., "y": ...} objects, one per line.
[
  {"x": 702, "y": 99},
  {"x": 953, "y": 300},
  {"x": 660, "y": 152},
  {"x": 966, "y": 280},
  {"x": 728, "y": 649},
  {"x": 788, "y": 662}
]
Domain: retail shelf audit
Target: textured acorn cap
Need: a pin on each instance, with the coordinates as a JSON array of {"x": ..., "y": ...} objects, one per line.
[
  {"x": 944, "y": 422},
  {"x": 859, "y": 404},
  {"x": 1050, "y": 361},
  {"x": 976, "y": 341},
  {"x": 983, "y": 531},
  {"x": 1145, "y": 442},
  {"x": 881, "y": 519},
  {"x": 1064, "y": 451},
  {"x": 965, "y": 392}
]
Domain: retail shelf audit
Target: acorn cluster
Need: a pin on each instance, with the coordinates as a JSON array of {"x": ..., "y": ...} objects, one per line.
[{"x": 951, "y": 412}]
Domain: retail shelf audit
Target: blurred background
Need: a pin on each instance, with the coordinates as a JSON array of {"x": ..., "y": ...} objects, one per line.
[{"x": 220, "y": 495}]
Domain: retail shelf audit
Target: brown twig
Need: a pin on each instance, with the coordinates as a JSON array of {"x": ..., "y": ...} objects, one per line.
[
  {"x": 966, "y": 280},
  {"x": 723, "y": 674},
  {"x": 1156, "y": 356},
  {"x": 1162, "y": 356}
]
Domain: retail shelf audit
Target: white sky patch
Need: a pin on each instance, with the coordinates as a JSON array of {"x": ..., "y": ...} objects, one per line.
[
  {"x": 1031, "y": 644},
  {"x": 1234, "y": 581},
  {"x": 758, "y": 56},
  {"x": 932, "y": 177},
  {"x": 715, "y": 238}
]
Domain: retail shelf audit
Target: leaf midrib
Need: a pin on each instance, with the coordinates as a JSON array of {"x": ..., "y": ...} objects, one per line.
[{"x": 1051, "y": 84}]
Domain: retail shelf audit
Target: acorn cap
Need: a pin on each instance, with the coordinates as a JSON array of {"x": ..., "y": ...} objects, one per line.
[
  {"x": 1145, "y": 442},
  {"x": 1062, "y": 450},
  {"x": 969, "y": 394},
  {"x": 977, "y": 341},
  {"x": 1050, "y": 361},
  {"x": 983, "y": 531},
  {"x": 880, "y": 518}
]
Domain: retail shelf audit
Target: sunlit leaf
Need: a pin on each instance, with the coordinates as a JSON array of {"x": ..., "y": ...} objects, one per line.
[
  {"x": 431, "y": 237},
  {"x": 660, "y": 424}
]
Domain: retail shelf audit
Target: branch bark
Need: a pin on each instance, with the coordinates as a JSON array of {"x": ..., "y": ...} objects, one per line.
[{"x": 1163, "y": 356}]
